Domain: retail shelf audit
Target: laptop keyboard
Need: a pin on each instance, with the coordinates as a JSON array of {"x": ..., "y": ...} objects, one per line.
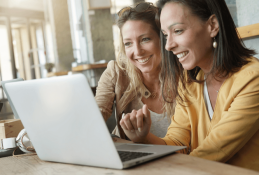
[{"x": 126, "y": 155}]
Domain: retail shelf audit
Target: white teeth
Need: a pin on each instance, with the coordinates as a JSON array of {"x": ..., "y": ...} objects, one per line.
[
  {"x": 180, "y": 55},
  {"x": 143, "y": 60}
]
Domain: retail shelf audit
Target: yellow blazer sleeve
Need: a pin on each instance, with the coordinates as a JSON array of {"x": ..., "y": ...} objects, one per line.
[
  {"x": 105, "y": 92},
  {"x": 238, "y": 123},
  {"x": 179, "y": 131}
]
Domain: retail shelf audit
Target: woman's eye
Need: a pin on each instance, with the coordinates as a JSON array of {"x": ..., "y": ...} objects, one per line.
[
  {"x": 165, "y": 35},
  {"x": 178, "y": 31},
  {"x": 127, "y": 44},
  {"x": 145, "y": 39}
]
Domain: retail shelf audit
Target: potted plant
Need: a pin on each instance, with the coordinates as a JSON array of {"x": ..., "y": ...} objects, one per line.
[{"x": 49, "y": 67}]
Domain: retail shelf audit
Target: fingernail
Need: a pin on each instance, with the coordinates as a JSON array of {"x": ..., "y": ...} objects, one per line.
[
  {"x": 139, "y": 129},
  {"x": 132, "y": 131}
]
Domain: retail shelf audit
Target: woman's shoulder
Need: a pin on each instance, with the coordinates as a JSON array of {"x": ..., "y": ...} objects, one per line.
[
  {"x": 253, "y": 64},
  {"x": 116, "y": 73},
  {"x": 250, "y": 69},
  {"x": 113, "y": 65},
  {"x": 247, "y": 76}
]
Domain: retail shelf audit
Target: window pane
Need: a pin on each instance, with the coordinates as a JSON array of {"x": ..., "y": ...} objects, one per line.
[{"x": 5, "y": 59}]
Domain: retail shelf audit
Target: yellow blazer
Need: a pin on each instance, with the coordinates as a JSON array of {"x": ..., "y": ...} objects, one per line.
[{"x": 232, "y": 136}]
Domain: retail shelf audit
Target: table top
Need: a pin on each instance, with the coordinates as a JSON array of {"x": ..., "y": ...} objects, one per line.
[
  {"x": 84, "y": 67},
  {"x": 53, "y": 74},
  {"x": 171, "y": 164},
  {"x": 179, "y": 164}
]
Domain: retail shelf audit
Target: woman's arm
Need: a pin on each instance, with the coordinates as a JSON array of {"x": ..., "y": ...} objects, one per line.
[
  {"x": 239, "y": 122},
  {"x": 152, "y": 139},
  {"x": 105, "y": 92}
]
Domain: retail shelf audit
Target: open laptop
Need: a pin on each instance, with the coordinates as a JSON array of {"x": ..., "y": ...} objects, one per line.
[{"x": 65, "y": 124}]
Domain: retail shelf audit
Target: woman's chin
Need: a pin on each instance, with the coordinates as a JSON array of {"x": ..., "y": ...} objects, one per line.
[
  {"x": 188, "y": 66},
  {"x": 145, "y": 70}
]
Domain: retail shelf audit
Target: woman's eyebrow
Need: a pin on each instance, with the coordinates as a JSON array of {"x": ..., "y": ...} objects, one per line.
[
  {"x": 170, "y": 26},
  {"x": 137, "y": 37}
]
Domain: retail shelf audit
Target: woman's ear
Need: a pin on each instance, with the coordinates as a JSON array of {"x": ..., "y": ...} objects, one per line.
[{"x": 214, "y": 26}]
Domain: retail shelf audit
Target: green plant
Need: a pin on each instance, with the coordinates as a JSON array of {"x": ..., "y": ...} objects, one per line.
[{"x": 49, "y": 66}]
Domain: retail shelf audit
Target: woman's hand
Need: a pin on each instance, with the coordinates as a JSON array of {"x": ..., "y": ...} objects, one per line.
[{"x": 136, "y": 124}]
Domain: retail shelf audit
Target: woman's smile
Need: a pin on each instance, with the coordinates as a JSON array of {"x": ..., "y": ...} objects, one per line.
[
  {"x": 144, "y": 60},
  {"x": 182, "y": 56}
]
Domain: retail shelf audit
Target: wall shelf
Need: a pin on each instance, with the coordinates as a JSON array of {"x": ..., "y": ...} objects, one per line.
[{"x": 248, "y": 31}]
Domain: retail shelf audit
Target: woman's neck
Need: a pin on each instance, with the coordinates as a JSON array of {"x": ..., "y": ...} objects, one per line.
[
  {"x": 207, "y": 63},
  {"x": 151, "y": 81},
  {"x": 214, "y": 80}
]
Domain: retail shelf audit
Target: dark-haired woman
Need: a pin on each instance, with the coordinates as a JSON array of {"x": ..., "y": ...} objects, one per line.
[
  {"x": 215, "y": 80},
  {"x": 133, "y": 79}
]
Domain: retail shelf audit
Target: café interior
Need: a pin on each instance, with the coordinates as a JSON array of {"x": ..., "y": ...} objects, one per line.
[{"x": 51, "y": 38}]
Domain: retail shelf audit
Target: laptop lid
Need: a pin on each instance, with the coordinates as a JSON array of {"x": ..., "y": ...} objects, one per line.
[
  {"x": 63, "y": 121},
  {"x": 8, "y": 97}
]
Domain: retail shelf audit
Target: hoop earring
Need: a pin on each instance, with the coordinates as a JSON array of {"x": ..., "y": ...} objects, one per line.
[{"x": 215, "y": 44}]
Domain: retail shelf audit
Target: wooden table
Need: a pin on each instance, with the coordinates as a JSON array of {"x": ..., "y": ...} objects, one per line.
[
  {"x": 79, "y": 68},
  {"x": 178, "y": 164},
  {"x": 84, "y": 67},
  {"x": 53, "y": 74},
  {"x": 91, "y": 70}
]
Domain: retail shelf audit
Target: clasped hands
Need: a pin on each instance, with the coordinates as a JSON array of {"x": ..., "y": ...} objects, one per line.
[{"x": 136, "y": 124}]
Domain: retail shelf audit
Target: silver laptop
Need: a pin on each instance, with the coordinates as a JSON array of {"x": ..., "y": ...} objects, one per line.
[{"x": 65, "y": 125}]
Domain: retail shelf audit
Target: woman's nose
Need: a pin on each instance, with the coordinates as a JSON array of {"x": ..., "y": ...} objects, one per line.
[
  {"x": 170, "y": 44},
  {"x": 138, "y": 50}
]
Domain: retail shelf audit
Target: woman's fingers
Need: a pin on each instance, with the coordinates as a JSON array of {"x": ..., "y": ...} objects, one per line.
[
  {"x": 136, "y": 120},
  {"x": 126, "y": 123},
  {"x": 133, "y": 119},
  {"x": 122, "y": 122},
  {"x": 139, "y": 117},
  {"x": 146, "y": 112}
]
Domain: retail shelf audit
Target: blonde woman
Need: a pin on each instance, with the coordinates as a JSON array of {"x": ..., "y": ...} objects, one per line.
[{"x": 133, "y": 79}]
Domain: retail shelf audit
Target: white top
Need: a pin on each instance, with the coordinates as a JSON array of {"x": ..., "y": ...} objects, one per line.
[
  {"x": 160, "y": 122},
  {"x": 207, "y": 100}
]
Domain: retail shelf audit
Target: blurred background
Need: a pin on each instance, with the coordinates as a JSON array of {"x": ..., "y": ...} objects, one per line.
[{"x": 44, "y": 38}]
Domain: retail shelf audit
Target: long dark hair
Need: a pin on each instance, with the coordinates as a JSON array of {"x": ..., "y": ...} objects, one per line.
[{"x": 229, "y": 56}]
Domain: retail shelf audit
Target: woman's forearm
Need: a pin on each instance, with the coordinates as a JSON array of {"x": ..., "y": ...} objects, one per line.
[{"x": 152, "y": 139}]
